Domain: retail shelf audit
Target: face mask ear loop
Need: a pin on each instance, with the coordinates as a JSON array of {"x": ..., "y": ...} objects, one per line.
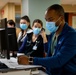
[{"x": 57, "y": 20}]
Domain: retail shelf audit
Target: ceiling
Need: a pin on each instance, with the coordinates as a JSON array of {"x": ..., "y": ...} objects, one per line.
[{"x": 3, "y": 2}]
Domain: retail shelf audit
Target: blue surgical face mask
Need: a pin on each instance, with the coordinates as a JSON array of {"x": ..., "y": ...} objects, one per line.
[
  {"x": 36, "y": 31},
  {"x": 51, "y": 26},
  {"x": 23, "y": 26}
]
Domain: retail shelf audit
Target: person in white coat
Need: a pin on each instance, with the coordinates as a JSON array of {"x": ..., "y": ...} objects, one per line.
[{"x": 25, "y": 28}]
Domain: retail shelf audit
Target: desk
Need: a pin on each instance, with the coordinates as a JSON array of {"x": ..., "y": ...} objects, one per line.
[
  {"x": 21, "y": 72},
  {"x": 20, "y": 69}
]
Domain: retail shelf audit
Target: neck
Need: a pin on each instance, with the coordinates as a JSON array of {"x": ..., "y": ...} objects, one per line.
[{"x": 34, "y": 37}]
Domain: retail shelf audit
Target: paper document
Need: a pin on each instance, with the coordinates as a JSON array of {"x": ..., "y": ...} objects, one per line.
[{"x": 12, "y": 63}]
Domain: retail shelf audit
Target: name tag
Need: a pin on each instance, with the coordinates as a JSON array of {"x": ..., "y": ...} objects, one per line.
[{"x": 35, "y": 47}]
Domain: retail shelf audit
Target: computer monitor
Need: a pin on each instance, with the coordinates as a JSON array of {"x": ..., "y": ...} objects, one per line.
[
  {"x": 12, "y": 39},
  {"x": 8, "y": 39}
]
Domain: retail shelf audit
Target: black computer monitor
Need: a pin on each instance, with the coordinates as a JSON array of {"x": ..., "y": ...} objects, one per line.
[
  {"x": 8, "y": 39},
  {"x": 2, "y": 33},
  {"x": 12, "y": 39}
]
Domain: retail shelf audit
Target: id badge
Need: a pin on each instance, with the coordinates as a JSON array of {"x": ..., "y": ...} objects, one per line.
[{"x": 35, "y": 47}]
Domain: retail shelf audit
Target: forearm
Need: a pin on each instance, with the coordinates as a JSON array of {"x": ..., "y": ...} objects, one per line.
[
  {"x": 56, "y": 61},
  {"x": 45, "y": 39},
  {"x": 46, "y": 47}
]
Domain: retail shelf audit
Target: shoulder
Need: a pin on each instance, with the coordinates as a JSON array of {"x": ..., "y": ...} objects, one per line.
[
  {"x": 20, "y": 33},
  {"x": 29, "y": 31},
  {"x": 71, "y": 32},
  {"x": 69, "y": 35},
  {"x": 29, "y": 35}
]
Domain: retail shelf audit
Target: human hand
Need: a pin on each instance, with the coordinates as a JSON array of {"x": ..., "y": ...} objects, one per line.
[
  {"x": 43, "y": 34},
  {"x": 23, "y": 60}
]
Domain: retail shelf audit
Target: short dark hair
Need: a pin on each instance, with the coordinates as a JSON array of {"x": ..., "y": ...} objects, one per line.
[
  {"x": 11, "y": 22},
  {"x": 27, "y": 19},
  {"x": 37, "y": 21},
  {"x": 58, "y": 8}
]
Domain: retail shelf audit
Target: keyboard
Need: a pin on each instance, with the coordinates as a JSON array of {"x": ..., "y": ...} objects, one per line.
[{"x": 3, "y": 66}]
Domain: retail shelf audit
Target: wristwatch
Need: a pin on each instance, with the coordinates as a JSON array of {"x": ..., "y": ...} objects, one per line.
[{"x": 30, "y": 60}]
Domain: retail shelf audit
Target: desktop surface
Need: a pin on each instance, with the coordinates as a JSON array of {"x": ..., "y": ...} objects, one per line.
[{"x": 11, "y": 66}]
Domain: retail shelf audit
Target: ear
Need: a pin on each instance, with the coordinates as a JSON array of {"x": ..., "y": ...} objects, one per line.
[
  {"x": 28, "y": 23},
  {"x": 62, "y": 18}
]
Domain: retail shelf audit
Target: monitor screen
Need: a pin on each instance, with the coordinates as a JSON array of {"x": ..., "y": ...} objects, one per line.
[
  {"x": 2, "y": 28},
  {"x": 8, "y": 40},
  {"x": 12, "y": 40}
]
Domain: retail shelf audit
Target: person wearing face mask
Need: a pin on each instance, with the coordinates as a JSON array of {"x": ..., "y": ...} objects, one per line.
[
  {"x": 25, "y": 28},
  {"x": 61, "y": 57},
  {"x": 33, "y": 44}
]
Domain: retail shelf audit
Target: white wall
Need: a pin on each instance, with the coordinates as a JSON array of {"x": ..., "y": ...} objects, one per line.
[{"x": 24, "y": 7}]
